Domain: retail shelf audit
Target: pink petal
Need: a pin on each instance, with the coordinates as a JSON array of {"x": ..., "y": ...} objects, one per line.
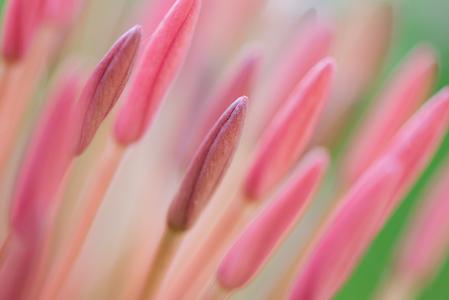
[
  {"x": 290, "y": 131},
  {"x": 348, "y": 233},
  {"x": 410, "y": 86},
  {"x": 161, "y": 61},
  {"x": 49, "y": 155},
  {"x": 311, "y": 45},
  {"x": 208, "y": 167},
  {"x": 418, "y": 139},
  {"x": 239, "y": 81},
  {"x": 34, "y": 198},
  {"x": 260, "y": 238},
  {"x": 427, "y": 238},
  {"x": 20, "y": 25},
  {"x": 106, "y": 84}
]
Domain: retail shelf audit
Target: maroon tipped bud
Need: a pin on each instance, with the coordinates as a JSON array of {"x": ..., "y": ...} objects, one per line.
[
  {"x": 106, "y": 85},
  {"x": 208, "y": 167}
]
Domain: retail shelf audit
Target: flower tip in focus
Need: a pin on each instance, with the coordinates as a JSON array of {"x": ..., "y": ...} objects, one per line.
[
  {"x": 207, "y": 168},
  {"x": 105, "y": 85}
]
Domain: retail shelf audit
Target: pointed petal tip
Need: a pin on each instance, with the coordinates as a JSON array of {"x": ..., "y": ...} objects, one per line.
[
  {"x": 106, "y": 84},
  {"x": 290, "y": 130},
  {"x": 207, "y": 168},
  {"x": 261, "y": 237},
  {"x": 159, "y": 65}
]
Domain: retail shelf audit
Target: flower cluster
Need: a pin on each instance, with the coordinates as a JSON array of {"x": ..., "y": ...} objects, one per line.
[{"x": 182, "y": 164}]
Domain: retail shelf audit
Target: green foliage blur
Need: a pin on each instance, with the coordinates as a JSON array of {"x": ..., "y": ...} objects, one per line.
[{"x": 417, "y": 21}]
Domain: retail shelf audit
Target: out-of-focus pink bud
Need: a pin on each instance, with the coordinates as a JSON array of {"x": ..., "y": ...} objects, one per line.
[
  {"x": 427, "y": 239},
  {"x": 160, "y": 63},
  {"x": 350, "y": 230},
  {"x": 410, "y": 86},
  {"x": 311, "y": 45},
  {"x": 417, "y": 141},
  {"x": 20, "y": 26},
  {"x": 50, "y": 154},
  {"x": 290, "y": 131},
  {"x": 260, "y": 238},
  {"x": 33, "y": 203}
]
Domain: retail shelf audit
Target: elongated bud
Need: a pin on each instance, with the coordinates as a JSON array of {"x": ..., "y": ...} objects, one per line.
[
  {"x": 409, "y": 87},
  {"x": 361, "y": 46},
  {"x": 261, "y": 237},
  {"x": 428, "y": 124},
  {"x": 238, "y": 81},
  {"x": 208, "y": 167},
  {"x": 311, "y": 45},
  {"x": 20, "y": 25},
  {"x": 49, "y": 156},
  {"x": 348, "y": 233},
  {"x": 159, "y": 66},
  {"x": 106, "y": 84},
  {"x": 33, "y": 203},
  {"x": 152, "y": 14},
  {"x": 427, "y": 238},
  {"x": 290, "y": 131}
]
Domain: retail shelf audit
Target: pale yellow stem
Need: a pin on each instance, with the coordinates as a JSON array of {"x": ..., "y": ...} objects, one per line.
[
  {"x": 161, "y": 262},
  {"x": 399, "y": 288},
  {"x": 196, "y": 271},
  {"x": 96, "y": 190},
  {"x": 215, "y": 292}
]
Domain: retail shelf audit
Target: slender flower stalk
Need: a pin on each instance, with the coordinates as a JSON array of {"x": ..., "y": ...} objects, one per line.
[{"x": 202, "y": 178}]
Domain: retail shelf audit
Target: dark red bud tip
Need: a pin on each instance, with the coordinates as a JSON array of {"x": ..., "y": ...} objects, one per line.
[
  {"x": 106, "y": 84},
  {"x": 208, "y": 167}
]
